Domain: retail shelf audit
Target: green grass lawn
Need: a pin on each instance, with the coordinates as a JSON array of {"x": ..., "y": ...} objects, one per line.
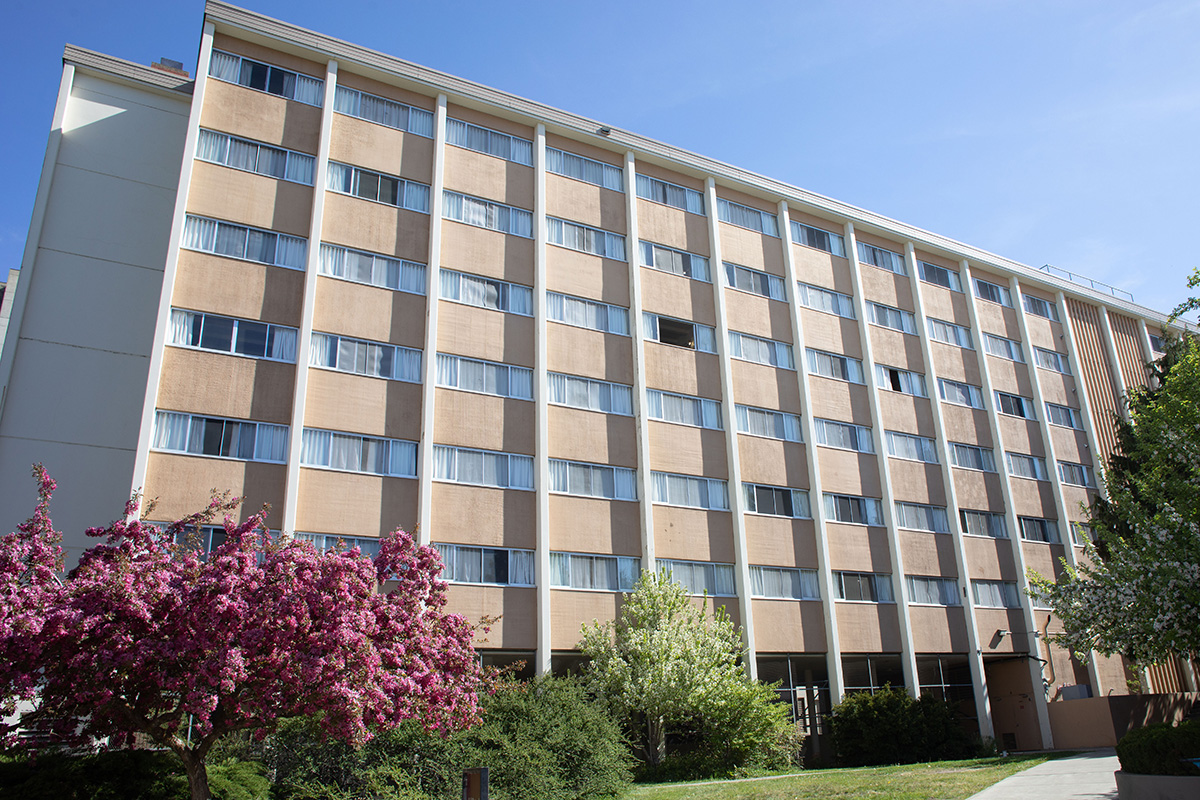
[{"x": 944, "y": 780}]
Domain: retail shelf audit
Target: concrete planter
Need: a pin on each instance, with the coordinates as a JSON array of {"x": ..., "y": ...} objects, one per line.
[{"x": 1157, "y": 787}]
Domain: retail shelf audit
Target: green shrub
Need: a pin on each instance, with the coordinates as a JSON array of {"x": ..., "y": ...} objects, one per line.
[
  {"x": 1159, "y": 749},
  {"x": 890, "y": 727}
]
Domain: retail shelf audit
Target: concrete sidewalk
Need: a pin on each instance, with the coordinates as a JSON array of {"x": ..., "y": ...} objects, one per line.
[{"x": 1087, "y": 776}]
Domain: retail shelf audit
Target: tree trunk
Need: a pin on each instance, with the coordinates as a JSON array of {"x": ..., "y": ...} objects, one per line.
[
  {"x": 197, "y": 774},
  {"x": 656, "y": 744}
]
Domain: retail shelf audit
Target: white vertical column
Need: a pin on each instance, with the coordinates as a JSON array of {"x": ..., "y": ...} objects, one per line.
[
  {"x": 433, "y": 292},
  {"x": 291, "y": 492},
  {"x": 1147, "y": 351},
  {"x": 737, "y": 500},
  {"x": 816, "y": 504},
  {"x": 1010, "y": 515},
  {"x": 899, "y": 586},
  {"x": 541, "y": 396},
  {"x": 1114, "y": 364},
  {"x": 983, "y": 705}
]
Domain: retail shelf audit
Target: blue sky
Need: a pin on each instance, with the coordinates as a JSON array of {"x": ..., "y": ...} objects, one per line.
[{"x": 1059, "y": 132}]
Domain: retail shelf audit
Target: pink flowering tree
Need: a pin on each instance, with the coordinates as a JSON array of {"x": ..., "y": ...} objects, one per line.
[{"x": 148, "y": 636}]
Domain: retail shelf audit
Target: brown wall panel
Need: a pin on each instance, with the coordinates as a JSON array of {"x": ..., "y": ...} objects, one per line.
[
  {"x": 773, "y": 462},
  {"x": 857, "y": 548},
  {"x": 584, "y": 202},
  {"x": 764, "y": 386},
  {"x": 249, "y": 199},
  {"x": 512, "y": 611},
  {"x": 483, "y": 515},
  {"x": 602, "y": 356},
  {"x": 238, "y": 288},
  {"x": 588, "y": 276},
  {"x": 579, "y": 435},
  {"x": 489, "y": 177},
  {"x": 693, "y": 534},
  {"x": 687, "y": 450},
  {"x": 485, "y": 334},
  {"x": 183, "y": 484},
  {"x": 683, "y": 371},
  {"x": 571, "y": 609},
  {"x": 938, "y": 630},
  {"x": 679, "y": 297},
  {"x": 775, "y": 541},
  {"x": 260, "y": 116},
  {"x": 355, "y": 504},
  {"x": 788, "y": 626},
  {"x": 369, "y": 312},
  {"x": 360, "y": 404},
  {"x": 378, "y": 228},
  {"x": 486, "y": 422},
  {"x": 381, "y": 148},
  {"x": 868, "y": 627},
  {"x": 756, "y": 315},
  {"x": 226, "y": 386},
  {"x": 990, "y": 559},
  {"x": 591, "y": 525},
  {"x": 479, "y": 251},
  {"x": 928, "y": 554}
]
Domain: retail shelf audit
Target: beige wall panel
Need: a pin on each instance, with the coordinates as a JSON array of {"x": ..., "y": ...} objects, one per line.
[
  {"x": 990, "y": 621},
  {"x": 587, "y": 203},
  {"x": 354, "y": 504},
  {"x": 754, "y": 314},
  {"x": 1022, "y": 436},
  {"x": 857, "y": 548},
  {"x": 672, "y": 227},
  {"x": 831, "y": 333},
  {"x": 868, "y": 627},
  {"x": 1034, "y": 498},
  {"x": 906, "y": 413},
  {"x": 885, "y": 286},
  {"x": 603, "y": 356},
  {"x": 805, "y": 218},
  {"x": 1058, "y": 388},
  {"x": 483, "y": 333},
  {"x": 693, "y": 534},
  {"x": 1043, "y": 558},
  {"x": 917, "y": 482},
  {"x": 998, "y": 319},
  {"x": 683, "y": 371},
  {"x": 751, "y": 249},
  {"x": 1009, "y": 376},
  {"x": 780, "y": 542},
  {"x": 226, "y": 385},
  {"x": 483, "y": 515},
  {"x": 687, "y": 450},
  {"x": 938, "y": 630},
  {"x": 369, "y": 312},
  {"x": 489, "y": 253},
  {"x": 956, "y": 363},
  {"x": 896, "y": 349},
  {"x": 489, "y": 177},
  {"x": 249, "y": 199},
  {"x": 979, "y": 491},
  {"x": 937, "y": 260},
  {"x": 378, "y": 228},
  {"x": 488, "y": 121},
  {"x": 1078, "y": 500},
  {"x": 1070, "y": 445},
  {"x": 670, "y": 176},
  {"x": 591, "y": 525},
  {"x": 677, "y": 296},
  {"x": 772, "y": 462},
  {"x": 381, "y": 148},
  {"x": 847, "y": 472},
  {"x": 788, "y": 626},
  {"x": 878, "y": 241},
  {"x": 260, "y": 116},
  {"x": 945, "y": 304},
  {"x": 990, "y": 559},
  {"x": 928, "y": 554},
  {"x": 183, "y": 484},
  {"x": 765, "y": 387},
  {"x": 238, "y": 288},
  {"x": 514, "y": 629},
  {"x": 1043, "y": 333},
  {"x": 579, "y": 435},
  {"x": 839, "y": 400},
  {"x": 569, "y": 610},
  {"x": 617, "y": 159},
  {"x": 588, "y": 276},
  {"x": 482, "y": 421},
  {"x": 360, "y": 404},
  {"x": 818, "y": 268},
  {"x": 968, "y": 425}
]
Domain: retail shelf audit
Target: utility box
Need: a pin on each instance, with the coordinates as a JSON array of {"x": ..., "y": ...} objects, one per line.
[{"x": 475, "y": 784}]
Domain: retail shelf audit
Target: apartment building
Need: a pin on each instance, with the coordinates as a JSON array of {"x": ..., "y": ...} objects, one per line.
[{"x": 374, "y": 295}]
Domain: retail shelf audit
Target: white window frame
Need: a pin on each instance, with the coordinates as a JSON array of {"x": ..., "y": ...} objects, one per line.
[
  {"x": 313, "y": 93},
  {"x": 1040, "y": 307},
  {"x": 590, "y": 387},
  {"x": 881, "y": 257},
  {"x": 777, "y": 354},
  {"x": 831, "y": 302},
  {"x": 1043, "y": 530},
  {"x": 452, "y": 555},
  {"x": 892, "y": 318},
  {"x": 1073, "y": 474},
  {"x": 801, "y": 509},
  {"x": 449, "y": 376},
  {"x": 921, "y": 517},
  {"x": 972, "y": 456},
  {"x": 993, "y": 293},
  {"x": 409, "y": 276},
  {"x": 586, "y": 170},
  {"x": 595, "y": 241},
  {"x": 565, "y": 476},
  {"x": 625, "y": 569},
  {"x": 816, "y": 238},
  {"x": 505, "y": 292},
  {"x": 664, "y": 193},
  {"x": 479, "y": 139},
  {"x": 922, "y": 587},
  {"x": 194, "y": 229},
  {"x": 771, "y": 286},
  {"x": 719, "y": 576},
  {"x": 683, "y": 409},
  {"x": 1014, "y": 402},
  {"x": 949, "y": 333},
  {"x": 214, "y": 147},
  {"x": 316, "y": 452},
  {"x": 509, "y": 220},
  {"x": 712, "y": 493},
  {"x": 995, "y": 594},
  {"x": 369, "y": 351},
  {"x": 974, "y": 393},
  {"x": 346, "y": 179},
  {"x": 674, "y": 262},
  {"x": 1029, "y": 464},
  {"x": 1001, "y": 347},
  {"x": 704, "y": 337},
  {"x": 850, "y": 369},
  {"x": 558, "y": 306},
  {"x": 1055, "y": 414},
  {"x": 165, "y": 440},
  {"x": 767, "y": 224},
  {"x": 791, "y": 577},
  {"x": 351, "y": 102},
  {"x": 789, "y": 424},
  {"x": 877, "y": 581},
  {"x": 448, "y": 455},
  {"x": 860, "y": 435},
  {"x": 910, "y": 383},
  {"x": 953, "y": 281},
  {"x": 869, "y": 509},
  {"x": 1051, "y": 360},
  {"x": 995, "y": 525},
  {"x": 276, "y": 336},
  {"x": 910, "y": 447}
]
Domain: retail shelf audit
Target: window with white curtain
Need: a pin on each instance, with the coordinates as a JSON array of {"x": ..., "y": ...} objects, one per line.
[
  {"x": 588, "y": 170},
  {"x": 372, "y": 269},
  {"x": 1158, "y": 344},
  {"x": 960, "y": 394},
  {"x": 585, "y": 239},
  {"x": 784, "y": 583},
  {"x": 325, "y": 542},
  {"x": 350, "y": 452},
  {"x": 589, "y": 314},
  {"x": 1021, "y": 465},
  {"x": 377, "y": 187},
  {"x": 745, "y": 347},
  {"x": 1082, "y": 533},
  {"x": 690, "y": 491},
  {"x": 1014, "y": 405},
  {"x": 1038, "y": 529},
  {"x": 1064, "y": 416},
  {"x": 844, "y": 435},
  {"x": 230, "y": 335},
  {"x": 895, "y": 318},
  {"x": 949, "y": 333},
  {"x": 489, "y": 142},
  {"x": 600, "y": 573},
  {"x": 832, "y": 365},
  {"x": 679, "y": 333},
  {"x": 818, "y": 239},
  {"x": 776, "y": 501},
  {"x": 746, "y": 217},
  {"x": 251, "y": 156},
  {"x": 676, "y": 262},
  {"x": 175, "y": 432},
  {"x": 482, "y": 467},
  {"x": 911, "y": 447},
  {"x": 239, "y": 241},
  {"x": 826, "y": 300},
  {"x": 382, "y": 111},
  {"x": 486, "y": 214},
  {"x": 852, "y": 509},
  {"x": 1003, "y": 348},
  {"x": 768, "y": 423},
  {"x": 983, "y": 523},
  {"x": 267, "y": 78},
  {"x": 882, "y": 258},
  {"x": 1040, "y": 308},
  {"x": 700, "y": 577},
  {"x": 996, "y": 594},
  {"x": 590, "y": 395},
  {"x": 473, "y": 290},
  {"x": 362, "y": 357},
  {"x": 484, "y": 377},
  {"x": 754, "y": 281},
  {"x": 669, "y": 194},
  {"x": 993, "y": 293},
  {"x": 940, "y": 276},
  {"x": 971, "y": 456},
  {"x": 867, "y": 587},
  {"x": 900, "y": 380},
  {"x": 1075, "y": 474},
  {"x": 1051, "y": 360},
  {"x": 922, "y": 517},
  {"x": 592, "y": 480},
  {"x": 699, "y": 412},
  {"x": 499, "y": 566},
  {"x": 933, "y": 591}
]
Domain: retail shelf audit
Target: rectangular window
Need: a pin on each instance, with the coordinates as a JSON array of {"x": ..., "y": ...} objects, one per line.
[
  {"x": 249, "y": 244},
  {"x": 597, "y": 173},
  {"x": 1157, "y": 343},
  {"x": 372, "y": 269},
  {"x": 690, "y": 491},
  {"x": 251, "y": 156},
  {"x": 350, "y": 452},
  {"x": 585, "y": 239},
  {"x": 746, "y": 217},
  {"x": 776, "y": 501},
  {"x": 818, "y": 239},
  {"x": 588, "y": 314},
  {"x": 992, "y": 292},
  {"x": 844, "y": 435},
  {"x": 852, "y": 509},
  {"x": 832, "y": 365},
  {"x": 229, "y": 335},
  {"x": 983, "y": 523},
  {"x": 933, "y": 591},
  {"x": 1037, "y": 529},
  {"x": 377, "y": 187},
  {"x": 1082, "y": 533},
  {"x": 996, "y": 594},
  {"x": 784, "y": 583},
  {"x": 1003, "y": 348},
  {"x": 1026, "y": 466},
  {"x": 911, "y": 448},
  {"x": 679, "y": 333},
  {"x": 826, "y": 300},
  {"x": 920, "y": 517},
  {"x": 484, "y": 377},
  {"x": 745, "y": 347},
  {"x": 1049, "y": 359},
  {"x": 1015, "y": 405},
  {"x": 494, "y": 565},
  {"x": 879, "y": 257},
  {"x": 486, "y": 214},
  {"x": 266, "y": 78},
  {"x": 676, "y": 262},
  {"x": 753, "y": 281},
  {"x": 489, "y": 142},
  {"x": 894, "y": 318},
  {"x": 1041, "y": 308},
  {"x": 961, "y": 394},
  {"x": 900, "y": 380},
  {"x": 600, "y": 573},
  {"x": 1075, "y": 474},
  {"x": 768, "y": 423},
  {"x": 669, "y": 194},
  {"x": 213, "y": 436},
  {"x": 867, "y": 587},
  {"x": 590, "y": 395},
  {"x": 382, "y": 111},
  {"x": 473, "y": 290},
  {"x": 482, "y": 467},
  {"x": 970, "y": 456},
  {"x": 361, "y": 357},
  {"x": 940, "y": 276},
  {"x": 1064, "y": 416},
  {"x": 324, "y": 542},
  {"x": 949, "y": 333},
  {"x": 683, "y": 409},
  {"x": 592, "y": 480},
  {"x": 700, "y": 577}
]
